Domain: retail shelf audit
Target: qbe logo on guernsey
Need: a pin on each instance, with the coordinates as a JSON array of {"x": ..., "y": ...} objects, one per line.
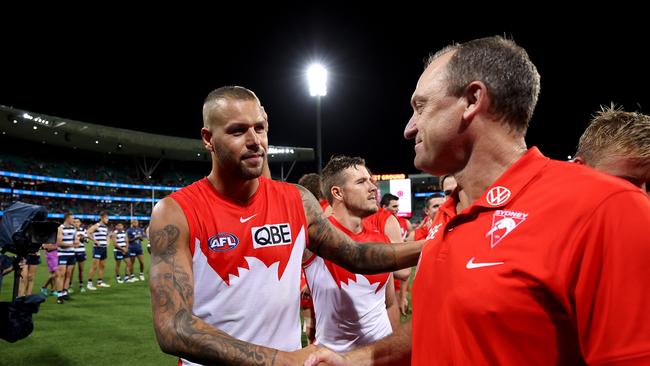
[{"x": 271, "y": 235}]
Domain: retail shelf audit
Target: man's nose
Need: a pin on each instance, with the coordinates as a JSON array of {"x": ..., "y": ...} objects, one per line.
[
  {"x": 252, "y": 139},
  {"x": 411, "y": 128}
]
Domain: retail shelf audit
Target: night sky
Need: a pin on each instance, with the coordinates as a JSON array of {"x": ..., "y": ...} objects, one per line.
[{"x": 148, "y": 72}]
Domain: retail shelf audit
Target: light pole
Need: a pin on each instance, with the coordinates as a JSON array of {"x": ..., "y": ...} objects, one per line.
[{"x": 317, "y": 78}]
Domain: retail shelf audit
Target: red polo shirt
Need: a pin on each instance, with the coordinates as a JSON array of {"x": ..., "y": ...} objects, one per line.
[{"x": 551, "y": 266}]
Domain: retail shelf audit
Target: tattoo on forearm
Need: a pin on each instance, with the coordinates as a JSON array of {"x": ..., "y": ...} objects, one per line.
[
  {"x": 162, "y": 298},
  {"x": 328, "y": 242},
  {"x": 209, "y": 341},
  {"x": 163, "y": 244},
  {"x": 173, "y": 294},
  {"x": 184, "y": 326},
  {"x": 183, "y": 286}
]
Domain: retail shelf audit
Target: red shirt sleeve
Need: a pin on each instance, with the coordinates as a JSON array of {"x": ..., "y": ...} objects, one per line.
[{"x": 611, "y": 283}]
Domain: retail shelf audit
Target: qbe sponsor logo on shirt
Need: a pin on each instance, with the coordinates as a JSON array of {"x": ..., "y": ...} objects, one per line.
[{"x": 271, "y": 235}]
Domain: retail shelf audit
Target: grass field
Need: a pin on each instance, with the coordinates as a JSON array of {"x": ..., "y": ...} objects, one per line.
[{"x": 110, "y": 326}]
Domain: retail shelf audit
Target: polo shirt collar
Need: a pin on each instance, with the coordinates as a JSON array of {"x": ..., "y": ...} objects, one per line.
[{"x": 507, "y": 186}]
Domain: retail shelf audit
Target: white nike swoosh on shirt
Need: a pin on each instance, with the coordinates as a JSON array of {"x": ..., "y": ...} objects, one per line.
[
  {"x": 243, "y": 220},
  {"x": 471, "y": 265}
]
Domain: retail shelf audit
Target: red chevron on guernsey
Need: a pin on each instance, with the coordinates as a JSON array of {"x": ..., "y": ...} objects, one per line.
[
  {"x": 229, "y": 233},
  {"x": 342, "y": 275},
  {"x": 367, "y": 235},
  {"x": 227, "y": 263}
]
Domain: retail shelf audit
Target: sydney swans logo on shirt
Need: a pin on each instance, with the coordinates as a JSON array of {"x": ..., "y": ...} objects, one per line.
[
  {"x": 433, "y": 231},
  {"x": 503, "y": 223},
  {"x": 271, "y": 235},
  {"x": 222, "y": 242}
]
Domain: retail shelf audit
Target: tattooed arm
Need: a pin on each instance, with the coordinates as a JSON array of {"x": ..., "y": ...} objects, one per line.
[
  {"x": 178, "y": 331},
  {"x": 327, "y": 242},
  {"x": 393, "y": 232}
]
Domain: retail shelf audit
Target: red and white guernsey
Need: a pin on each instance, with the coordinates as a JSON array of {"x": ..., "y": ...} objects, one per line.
[
  {"x": 377, "y": 221},
  {"x": 246, "y": 261},
  {"x": 350, "y": 308}
]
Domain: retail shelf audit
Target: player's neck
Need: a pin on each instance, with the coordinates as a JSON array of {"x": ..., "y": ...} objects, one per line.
[
  {"x": 345, "y": 218},
  {"x": 490, "y": 158},
  {"x": 235, "y": 189}
]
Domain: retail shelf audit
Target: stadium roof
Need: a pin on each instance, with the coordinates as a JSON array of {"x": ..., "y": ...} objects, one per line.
[{"x": 64, "y": 132}]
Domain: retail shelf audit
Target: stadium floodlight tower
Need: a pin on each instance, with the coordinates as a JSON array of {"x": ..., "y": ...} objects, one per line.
[{"x": 317, "y": 78}]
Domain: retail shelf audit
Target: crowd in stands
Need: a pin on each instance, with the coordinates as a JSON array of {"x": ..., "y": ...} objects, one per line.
[
  {"x": 74, "y": 164},
  {"x": 84, "y": 165},
  {"x": 77, "y": 206},
  {"x": 45, "y": 186},
  {"x": 95, "y": 172}
]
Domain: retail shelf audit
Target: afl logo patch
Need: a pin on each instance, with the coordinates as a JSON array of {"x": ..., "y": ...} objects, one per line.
[{"x": 222, "y": 242}]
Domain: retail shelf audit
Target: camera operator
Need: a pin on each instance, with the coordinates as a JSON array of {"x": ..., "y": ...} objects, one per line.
[
  {"x": 23, "y": 229},
  {"x": 6, "y": 266}
]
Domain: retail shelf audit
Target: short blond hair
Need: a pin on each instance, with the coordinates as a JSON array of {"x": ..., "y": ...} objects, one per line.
[
  {"x": 615, "y": 132},
  {"x": 224, "y": 93}
]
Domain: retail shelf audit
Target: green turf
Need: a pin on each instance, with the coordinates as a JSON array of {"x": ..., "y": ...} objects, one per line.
[{"x": 110, "y": 326}]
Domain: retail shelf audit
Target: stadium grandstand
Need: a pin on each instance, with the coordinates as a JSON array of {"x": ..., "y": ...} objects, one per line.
[{"x": 66, "y": 165}]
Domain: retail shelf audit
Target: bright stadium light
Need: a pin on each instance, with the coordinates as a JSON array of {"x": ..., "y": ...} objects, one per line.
[{"x": 317, "y": 78}]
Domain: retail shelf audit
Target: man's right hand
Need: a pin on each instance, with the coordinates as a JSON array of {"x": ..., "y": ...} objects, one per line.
[
  {"x": 324, "y": 356},
  {"x": 294, "y": 358}
]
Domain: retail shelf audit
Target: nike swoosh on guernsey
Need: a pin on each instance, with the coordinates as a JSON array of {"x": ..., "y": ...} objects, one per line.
[
  {"x": 471, "y": 265},
  {"x": 243, "y": 220}
]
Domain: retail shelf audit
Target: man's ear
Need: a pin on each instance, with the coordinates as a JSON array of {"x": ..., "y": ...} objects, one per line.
[
  {"x": 579, "y": 160},
  {"x": 476, "y": 97},
  {"x": 337, "y": 193},
  {"x": 206, "y": 137}
]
